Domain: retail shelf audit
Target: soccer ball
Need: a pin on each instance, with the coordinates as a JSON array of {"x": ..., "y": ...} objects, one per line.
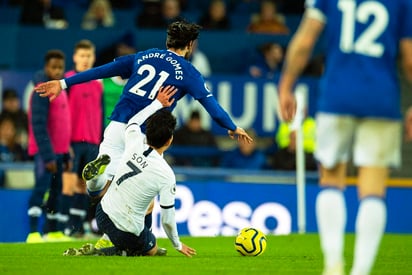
[{"x": 250, "y": 242}]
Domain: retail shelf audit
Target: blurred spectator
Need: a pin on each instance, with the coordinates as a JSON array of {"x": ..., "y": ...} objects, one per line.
[
  {"x": 200, "y": 61},
  {"x": 10, "y": 149},
  {"x": 98, "y": 15},
  {"x": 12, "y": 109},
  {"x": 193, "y": 134},
  {"x": 150, "y": 14},
  {"x": 113, "y": 87},
  {"x": 125, "y": 45},
  {"x": 215, "y": 18},
  {"x": 269, "y": 62},
  {"x": 43, "y": 13},
  {"x": 158, "y": 14},
  {"x": 285, "y": 157},
  {"x": 49, "y": 142},
  {"x": 245, "y": 156},
  {"x": 85, "y": 103},
  {"x": 170, "y": 11},
  {"x": 268, "y": 21}
]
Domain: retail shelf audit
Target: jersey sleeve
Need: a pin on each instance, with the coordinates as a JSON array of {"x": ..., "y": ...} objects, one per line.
[
  {"x": 167, "y": 205},
  {"x": 169, "y": 225},
  {"x": 196, "y": 85},
  {"x": 133, "y": 131},
  {"x": 144, "y": 114},
  {"x": 197, "y": 88},
  {"x": 217, "y": 112},
  {"x": 121, "y": 66}
]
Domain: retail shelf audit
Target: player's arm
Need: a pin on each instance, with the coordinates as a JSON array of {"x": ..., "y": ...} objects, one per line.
[
  {"x": 163, "y": 99},
  {"x": 133, "y": 131},
  {"x": 222, "y": 118},
  {"x": 406, "y": 59},
  {"x": 40, "y": 112},
  {"x": 119, "y": 67},
  {"x": 169, "y": 225},
  {"x": 299, "y": 51},
  {"x": 167, "y": 212}
]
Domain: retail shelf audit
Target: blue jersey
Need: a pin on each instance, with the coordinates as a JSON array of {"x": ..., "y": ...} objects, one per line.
[
  {"x": 362, "y": 38},
  {"x": 149, "y": 70}
]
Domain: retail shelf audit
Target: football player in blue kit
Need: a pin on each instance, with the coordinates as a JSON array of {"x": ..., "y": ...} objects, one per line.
[
  {"x": 358, "y": 113},
  {"x": 147, "y": 71}
]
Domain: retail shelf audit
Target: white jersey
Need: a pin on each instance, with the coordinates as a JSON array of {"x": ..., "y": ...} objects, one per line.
[{"x": 141, "y": 175}]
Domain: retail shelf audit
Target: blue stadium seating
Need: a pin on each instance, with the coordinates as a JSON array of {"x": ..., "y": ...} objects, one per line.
[{"x": 229, "y": 52}]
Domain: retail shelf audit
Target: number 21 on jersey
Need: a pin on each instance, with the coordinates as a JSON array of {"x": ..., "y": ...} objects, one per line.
[{"x": 150, "y": 77}]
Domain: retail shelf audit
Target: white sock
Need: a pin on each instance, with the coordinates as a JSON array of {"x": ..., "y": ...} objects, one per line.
[
  {"x": 331, "y": 218},
  {"x": 370, "y": 227},
  {"x": 97, "y": 184}
]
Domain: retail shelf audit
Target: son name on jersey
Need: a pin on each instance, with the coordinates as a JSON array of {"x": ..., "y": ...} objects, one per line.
[{"x": 140, "y": 160}]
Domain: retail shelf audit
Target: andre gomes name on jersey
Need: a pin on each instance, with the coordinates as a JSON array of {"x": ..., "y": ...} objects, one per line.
[{"x": 167, "y": 57}]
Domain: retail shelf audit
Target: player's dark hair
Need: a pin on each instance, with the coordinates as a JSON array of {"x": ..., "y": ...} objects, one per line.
[
  {"x": 180, "y": 33},
  {"x": 58, "y": 54},
  {"x": 160, "y": 127},
  {"x": 84, "y": 44}
]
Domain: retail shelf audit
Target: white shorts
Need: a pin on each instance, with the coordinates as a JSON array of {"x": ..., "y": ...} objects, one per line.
[
  {"x": 113, "y": 145},
  {"x": 372, "y": 142}
]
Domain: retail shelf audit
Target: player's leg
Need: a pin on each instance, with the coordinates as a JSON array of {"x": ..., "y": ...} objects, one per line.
[
  {"x": 331, "y": 217},
  {"x": 55, "y": 223},
  {"x": 110, "y": 153},
  {"x": 159, "y": 251},
  {"x": 377, "y": 147},
  {"x": 150, "y": 245},
  {"x": 69, "y": 185},
  {"x": 125, "y": 243},
  {"x": 334, "y": 139},
  {"x": 148, "y": 218},
  {"x": 105, "y": 242},
  {"x": 84, "y": 153},
  {"x": 42, "y": 182}
]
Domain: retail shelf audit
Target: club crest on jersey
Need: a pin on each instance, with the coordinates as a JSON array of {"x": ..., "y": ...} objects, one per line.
[{"x": 173, "y": 189}]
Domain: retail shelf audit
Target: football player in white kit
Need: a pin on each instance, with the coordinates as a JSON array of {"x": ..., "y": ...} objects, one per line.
[{"x": 142, "y": 175}]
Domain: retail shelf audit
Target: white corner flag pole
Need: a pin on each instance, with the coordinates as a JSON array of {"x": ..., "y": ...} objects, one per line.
[{"x": 300, "y": 95}]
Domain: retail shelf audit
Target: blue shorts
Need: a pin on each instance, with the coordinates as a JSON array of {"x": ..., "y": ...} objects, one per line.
[
  {"x": 127, "y": 241},
  {"x": 83, "y": 153}
]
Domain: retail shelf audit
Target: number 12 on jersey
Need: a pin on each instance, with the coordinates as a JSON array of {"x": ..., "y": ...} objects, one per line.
[{"x": 366, "y": 43}]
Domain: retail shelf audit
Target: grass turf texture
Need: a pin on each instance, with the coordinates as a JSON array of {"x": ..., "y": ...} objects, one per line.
[{"x": 292, "y": 254}]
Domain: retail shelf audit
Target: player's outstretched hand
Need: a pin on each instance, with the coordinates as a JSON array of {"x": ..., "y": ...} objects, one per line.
[
  {"x": 165, "y": 95},
  {"x": 287, "y": 105},
  {"x": 187, "y": 251},
  {"x": 49, "y": 89},
  {"x": 241, "y": 134}
]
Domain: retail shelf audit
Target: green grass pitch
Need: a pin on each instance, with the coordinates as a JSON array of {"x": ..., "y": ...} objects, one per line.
[{"x": 292, "y": 254}]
